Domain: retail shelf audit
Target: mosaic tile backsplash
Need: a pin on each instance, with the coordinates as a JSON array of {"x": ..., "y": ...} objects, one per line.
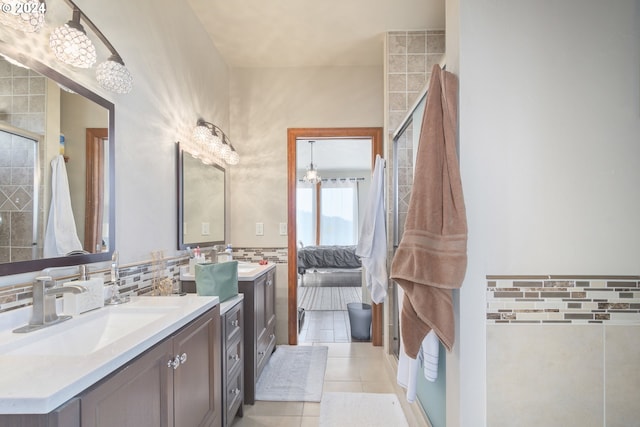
[
  {"x": 563, "y": 299},
  {"x": 136, "y": 279}
]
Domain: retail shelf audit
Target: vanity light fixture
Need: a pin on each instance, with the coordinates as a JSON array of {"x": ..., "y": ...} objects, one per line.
[
  {"x": 311, "y": 176},
  {"x": 210, "y": 144},
  {"x": 23, "y": 15},
  {"x": 71, "y": 45}
]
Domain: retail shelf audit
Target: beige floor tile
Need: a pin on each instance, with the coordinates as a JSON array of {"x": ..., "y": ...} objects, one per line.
[
  {"x": 310, "y": 422},
  {"x": 261, "y": 408},
  {"x": 267, "y": 421},
  {"x": 311, "y": 409},
  {"x": 342, "y": 369},
  {"x": 342, "y": 386},
  {"x": 377, "y": 387}
]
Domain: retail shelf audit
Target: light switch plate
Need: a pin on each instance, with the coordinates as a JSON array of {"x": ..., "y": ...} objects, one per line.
[
  {"x": 205, "y": 228},
  {"x": 259, "y": 229},
  {"x": 283, "y": 228}
]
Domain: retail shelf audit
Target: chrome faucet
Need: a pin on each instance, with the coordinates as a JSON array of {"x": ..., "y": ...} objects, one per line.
[
  {"x": 115, "y": 282},
  {"x": 44, "y": 303}
]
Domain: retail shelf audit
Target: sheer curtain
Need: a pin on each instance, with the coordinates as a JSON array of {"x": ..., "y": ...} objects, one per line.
[
  {"x": 339, "y": 212},
  {"x": 306, "y": 213}
]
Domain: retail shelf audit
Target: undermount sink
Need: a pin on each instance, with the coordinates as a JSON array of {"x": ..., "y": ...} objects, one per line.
[
  {"x": 246, "y": 268},
  {"x": 86, "y": 335}
]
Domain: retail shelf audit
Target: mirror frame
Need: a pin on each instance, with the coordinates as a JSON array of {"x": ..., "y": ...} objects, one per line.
[
  {"x": 19, "y": 267},
  {"x": 180, "y": 202}
]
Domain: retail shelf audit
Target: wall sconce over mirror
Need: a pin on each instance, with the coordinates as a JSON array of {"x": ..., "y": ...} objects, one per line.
[
  {"x": 69, "y": 42},
  {"x": 210, "y": 144}
]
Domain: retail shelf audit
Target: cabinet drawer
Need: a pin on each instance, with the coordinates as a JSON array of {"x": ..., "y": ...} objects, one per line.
[
  {"x": 265, "y": 348},
  {"x": 233, "y": 323},
  {"x": 234, "y": 355},
  {"x": 235, "y": 395}
]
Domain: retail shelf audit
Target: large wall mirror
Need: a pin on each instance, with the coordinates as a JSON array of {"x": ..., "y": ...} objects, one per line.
[
  {"x": 53, "y": 130},
  {"x": 201, "y": 202}
]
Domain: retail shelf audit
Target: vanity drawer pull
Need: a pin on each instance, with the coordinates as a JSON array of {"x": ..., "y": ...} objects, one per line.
[
  {"x": 177, "y": 361},
  {"x": 261, "y": 353},
  {"x": 173, "y": 363},
  {"x": 235, "y": 391}
]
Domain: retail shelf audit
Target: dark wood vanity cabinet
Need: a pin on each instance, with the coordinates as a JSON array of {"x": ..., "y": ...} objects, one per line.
[
  {"x": 232, "y": 363},
  {"x": 174, "y": 384},
  {"x": 260, "y": 328}
]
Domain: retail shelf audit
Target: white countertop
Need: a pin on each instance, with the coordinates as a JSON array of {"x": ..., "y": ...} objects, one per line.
[
  {"x": 38, "y": 383},
  {"x": 247, "y": 271},
  {"x": 228, "y": 304}
]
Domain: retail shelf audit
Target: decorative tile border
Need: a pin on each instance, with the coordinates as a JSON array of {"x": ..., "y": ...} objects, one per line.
[
  {"x": 137, "y": 278},
  {"x": 563, "y": 299},
  {"x": 276, "y": 255}
]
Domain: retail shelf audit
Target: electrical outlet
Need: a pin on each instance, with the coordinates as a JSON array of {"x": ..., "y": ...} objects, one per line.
[
  {"x": 259, "y": 229},
  {"x": 283, "y": 228}
]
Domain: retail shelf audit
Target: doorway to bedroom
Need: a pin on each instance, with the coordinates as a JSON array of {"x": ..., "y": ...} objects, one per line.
[{"x": 329, "y": 182}]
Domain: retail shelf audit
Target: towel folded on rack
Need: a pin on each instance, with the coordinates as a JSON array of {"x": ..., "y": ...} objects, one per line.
[{"x": 431, "y": 258}]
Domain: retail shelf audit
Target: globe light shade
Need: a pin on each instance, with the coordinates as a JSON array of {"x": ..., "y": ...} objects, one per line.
[
  {"x": 72, "y": 46},
  {"x": 114, "y": 76}
]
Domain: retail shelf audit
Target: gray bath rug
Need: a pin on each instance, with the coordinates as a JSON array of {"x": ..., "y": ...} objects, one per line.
[
  {"x": 293, "y": 373},
  {"x": 361, "y": 409}
]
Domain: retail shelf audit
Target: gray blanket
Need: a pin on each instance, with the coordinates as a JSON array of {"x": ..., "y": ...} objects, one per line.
[{"x": 327, "y": 257}]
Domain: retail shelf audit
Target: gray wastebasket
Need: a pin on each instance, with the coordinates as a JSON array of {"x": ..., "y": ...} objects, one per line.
[{"x": 360, "y": 320}]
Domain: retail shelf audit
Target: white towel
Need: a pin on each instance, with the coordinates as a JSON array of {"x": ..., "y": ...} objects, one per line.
[
  {"x": 372, "y": 242},
  {"x": 430, "y": 351},
  {"x": 407, "y": 375},
  {"x": 61, "y": 236}
]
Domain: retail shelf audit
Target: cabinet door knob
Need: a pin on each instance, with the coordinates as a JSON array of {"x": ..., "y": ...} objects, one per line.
[
  {"x": 234, "y": 357},
  {"x": 173, "y": 363},
  {"x": 235, "y": 391},
  {"x": 261, "y": 353},
  {"x": 183, "y": 358},
  {"x": 235, "y": 323},
  {"x": 272, "y": 336}
]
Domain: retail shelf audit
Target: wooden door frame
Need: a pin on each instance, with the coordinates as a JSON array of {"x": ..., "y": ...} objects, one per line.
[{"x": 293, "y": 134}]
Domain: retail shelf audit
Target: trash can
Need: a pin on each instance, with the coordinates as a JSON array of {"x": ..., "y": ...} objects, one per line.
[{"x": 360, "y": 320}]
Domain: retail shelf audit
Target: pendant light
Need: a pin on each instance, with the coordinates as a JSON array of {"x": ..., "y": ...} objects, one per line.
[{"x": 311, "y": 176}]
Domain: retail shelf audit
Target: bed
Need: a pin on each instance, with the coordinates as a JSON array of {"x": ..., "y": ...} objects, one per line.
[{"x": 329, "y": 266}]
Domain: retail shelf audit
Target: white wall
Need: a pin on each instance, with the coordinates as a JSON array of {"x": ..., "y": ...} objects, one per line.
[
  {"x": 178, "y": 77},
  {"x": 264, "y": 103},
  {"x": 267, "y": 101},
  {"x": 549, "y": 128}
]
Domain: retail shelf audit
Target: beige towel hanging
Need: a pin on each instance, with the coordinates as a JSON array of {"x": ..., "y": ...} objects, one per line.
[{"x": 431, "y": 259}]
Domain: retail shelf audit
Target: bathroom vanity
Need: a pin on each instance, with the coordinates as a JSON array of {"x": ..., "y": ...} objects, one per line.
[
  {"x": 257, "y": 283},
  {"x": 258, "y": 286},
  {"x": 152, "y": 362},
  {"x": 232, "y": 321}
]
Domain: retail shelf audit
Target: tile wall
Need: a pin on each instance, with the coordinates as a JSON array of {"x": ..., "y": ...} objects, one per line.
[
  {"x": 563, "y": 350},
  {"x": 138, "y": 278},
  {"x": 22, "y": 105}
]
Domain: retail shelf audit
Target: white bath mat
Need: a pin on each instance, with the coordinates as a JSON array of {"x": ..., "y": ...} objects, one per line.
[
  {"x": 293, "y": 374},
  {"x": 361, "y": 409}
]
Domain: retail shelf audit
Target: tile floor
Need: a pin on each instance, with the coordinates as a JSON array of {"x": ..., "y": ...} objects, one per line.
[
  {"x": 325, "y": 326},
  {"x": 356, "y": 367}
]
